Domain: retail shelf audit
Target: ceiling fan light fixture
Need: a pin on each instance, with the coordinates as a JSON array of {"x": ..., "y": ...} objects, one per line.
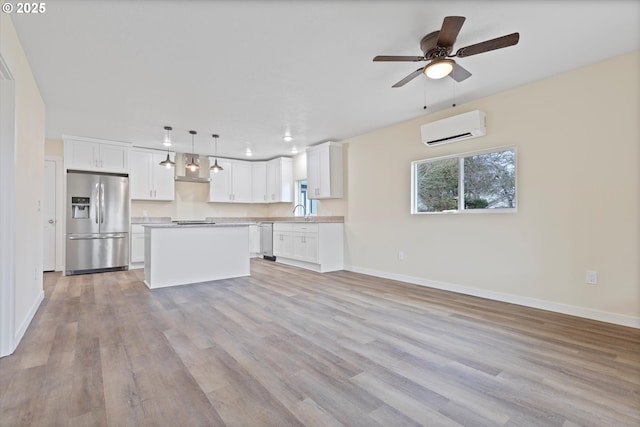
[{"x": 439, "y": 68}]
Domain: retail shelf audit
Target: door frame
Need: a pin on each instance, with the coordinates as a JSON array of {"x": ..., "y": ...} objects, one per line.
[
  {"x": 58, "y": 197},
  {"x": 7, "y": 209}
]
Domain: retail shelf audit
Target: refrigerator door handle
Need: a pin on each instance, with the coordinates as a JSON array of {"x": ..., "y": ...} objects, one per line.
[
  {"x": 102, "y": 204},
  {"x": 97, "y": 202},
  {"x": 112, "y": 236}
]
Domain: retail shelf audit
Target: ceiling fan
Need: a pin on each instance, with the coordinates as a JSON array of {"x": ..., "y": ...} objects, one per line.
[{"x": 437, "y": 47}]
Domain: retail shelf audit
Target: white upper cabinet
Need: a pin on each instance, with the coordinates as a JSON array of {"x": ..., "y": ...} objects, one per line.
[
  {"x": 232, "y": 184},
  {"x": 91, "y": 155},
  {"x": 324, "y": 171},
  {"x": 280, "y": 180},
  {"x": 148, "y": 180},
  {"x": 259, "y": 182}
]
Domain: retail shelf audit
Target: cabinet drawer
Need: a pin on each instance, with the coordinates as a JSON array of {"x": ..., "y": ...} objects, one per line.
[
  {"x": 282, "y": 226},
  {"x": 305, "y": 228}
]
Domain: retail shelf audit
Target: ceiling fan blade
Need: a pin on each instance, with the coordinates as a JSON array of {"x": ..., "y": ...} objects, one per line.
[
  {"x": 410, "y": 77},
  {"x": 449, "y": 32},
  {"x": 486, "y": 46},
  {"x": 459, "y": 73},
  {"x": 398, "y": 58}
]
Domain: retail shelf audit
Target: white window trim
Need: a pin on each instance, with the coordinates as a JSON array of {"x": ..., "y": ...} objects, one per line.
[{"x": 460, "y": 156}]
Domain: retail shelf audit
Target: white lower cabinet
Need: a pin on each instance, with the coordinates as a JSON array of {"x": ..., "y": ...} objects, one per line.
[
  {"x": 315, "y": 246},
  {"x": 282, "y": 242},
  {"x": 137, "y": 244},
  {"x": 254, "y": 241}
]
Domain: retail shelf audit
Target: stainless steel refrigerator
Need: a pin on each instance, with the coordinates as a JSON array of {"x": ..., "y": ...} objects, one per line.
[{"x": 97, "y": 234}]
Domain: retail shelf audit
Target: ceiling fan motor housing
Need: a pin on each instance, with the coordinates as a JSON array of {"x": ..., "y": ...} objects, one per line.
[{"x": 430, "y": 48}]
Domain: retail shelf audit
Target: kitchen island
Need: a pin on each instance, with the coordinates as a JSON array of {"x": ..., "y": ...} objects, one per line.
[{"x": 181, "y": 254}]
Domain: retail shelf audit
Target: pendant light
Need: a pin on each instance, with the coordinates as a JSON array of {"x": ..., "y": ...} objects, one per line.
[
  {"x": 167, "y": 162},
  {"x": 193, "y": 165},
  {"x": 216, "y": 167},
  {"x": 167, "y": 142}
]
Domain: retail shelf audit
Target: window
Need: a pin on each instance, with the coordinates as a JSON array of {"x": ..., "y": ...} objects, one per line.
[
  {"x": 477, "y": 182},
  {"x": 310, "y": 205}
]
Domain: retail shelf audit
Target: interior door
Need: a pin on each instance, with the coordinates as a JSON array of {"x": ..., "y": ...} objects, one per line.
[{"x": 49, "y": 216}]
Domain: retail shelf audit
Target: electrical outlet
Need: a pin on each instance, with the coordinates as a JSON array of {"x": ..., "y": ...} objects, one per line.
[
  {"x": 592, "y": 277},
  {"x": 400, "y": 255}
]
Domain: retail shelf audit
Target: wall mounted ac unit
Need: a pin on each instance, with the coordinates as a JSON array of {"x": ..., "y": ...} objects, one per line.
[{"x": 456, "y": 128}]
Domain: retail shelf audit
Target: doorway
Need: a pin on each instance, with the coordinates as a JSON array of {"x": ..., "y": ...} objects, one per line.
[{"x": 50, "y": 215}]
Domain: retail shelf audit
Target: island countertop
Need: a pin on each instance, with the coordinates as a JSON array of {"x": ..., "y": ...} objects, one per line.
[{"x": 191, "y": 225}]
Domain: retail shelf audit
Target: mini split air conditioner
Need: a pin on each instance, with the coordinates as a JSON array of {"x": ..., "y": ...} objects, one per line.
[{"x": 456, "y": 128}]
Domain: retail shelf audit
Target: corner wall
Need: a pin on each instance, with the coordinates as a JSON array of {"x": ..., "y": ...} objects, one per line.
[
  {"x": 577, "y": 136},
  {"x": 29, "y": 161}
]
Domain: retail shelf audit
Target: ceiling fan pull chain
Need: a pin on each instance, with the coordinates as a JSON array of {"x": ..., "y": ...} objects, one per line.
[
  {"x": 453, "y": 85},
  {"x": 424, "y": 93}
]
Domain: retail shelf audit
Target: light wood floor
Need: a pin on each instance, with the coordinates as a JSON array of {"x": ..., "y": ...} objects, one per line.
[{"x": 288, "y": 347}]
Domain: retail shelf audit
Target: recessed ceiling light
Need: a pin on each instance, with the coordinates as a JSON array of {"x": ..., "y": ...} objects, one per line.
[
  {"x": 294, "y": 150},
  {"x": 248, "y": 152},
  {"x": 288, "y": 138}
]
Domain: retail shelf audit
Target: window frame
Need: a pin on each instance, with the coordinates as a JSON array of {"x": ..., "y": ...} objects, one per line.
[{"x": 460, "y": 158}]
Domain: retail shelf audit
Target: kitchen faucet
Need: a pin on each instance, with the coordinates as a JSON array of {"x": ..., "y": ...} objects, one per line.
[{"x": 304, "y": 211}]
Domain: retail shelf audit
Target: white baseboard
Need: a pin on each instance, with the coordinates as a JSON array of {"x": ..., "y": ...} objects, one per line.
[
  {"x": 27, "y": 321},
  {"x": 588, "y": 313}
]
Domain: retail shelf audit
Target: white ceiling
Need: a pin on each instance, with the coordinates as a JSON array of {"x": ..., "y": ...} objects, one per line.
[{"x": 253, "y": 70}]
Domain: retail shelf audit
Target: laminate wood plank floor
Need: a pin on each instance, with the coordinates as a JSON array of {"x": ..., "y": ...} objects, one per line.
[{"x": 290, "y": 347}]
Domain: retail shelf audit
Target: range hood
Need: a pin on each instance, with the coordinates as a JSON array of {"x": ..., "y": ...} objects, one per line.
[{"x": 183, "y": 173}]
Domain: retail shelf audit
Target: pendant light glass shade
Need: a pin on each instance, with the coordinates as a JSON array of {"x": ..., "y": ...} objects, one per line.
[
  {"x": 438, "y": 68},
  {"x": 167, "y": 136},
  {"x": 216, "y": 167},
  {"x": 193, "y": 165}
]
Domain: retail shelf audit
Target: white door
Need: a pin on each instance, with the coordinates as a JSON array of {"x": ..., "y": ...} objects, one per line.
[{"x": 49, "y": 216}]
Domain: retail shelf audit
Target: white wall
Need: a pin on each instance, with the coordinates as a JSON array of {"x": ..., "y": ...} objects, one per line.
[
  {"x": 29, "y": 161},
  {"x": 577, "y": 137}
]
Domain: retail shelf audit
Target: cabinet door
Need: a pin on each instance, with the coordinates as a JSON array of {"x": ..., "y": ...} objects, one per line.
[
  {"x": 220, "y": 185},
  {"x": 273, "y": 181},
  {"x": 305, "y": 247},
  {"x": 114, "y": 158},
  {"x": 81, "y": 155},
  {"x": 280, "y": 180},
  {"x": 163, "y": 178},
  {"x": 313, "y": 173},
  {"x": 259, "y": 182},
  {"x": 283, "y": 244},
  {"x": 311, "y": 247},
  {"x": 254, "y": 239},
  {"x": 140, "y": 176},
  {"x": 241, "y": 182},
  {"x": 137, "y": 247},
  {"x": 324, "y": 172},
  {"x": 319, "y": 173}
]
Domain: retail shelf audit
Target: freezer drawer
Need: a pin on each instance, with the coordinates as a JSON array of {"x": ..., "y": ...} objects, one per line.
[{"x": 95, "y": 253}]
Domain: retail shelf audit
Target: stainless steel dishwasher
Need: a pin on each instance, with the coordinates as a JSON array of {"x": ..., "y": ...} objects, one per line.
[{"x": 266, "y": 240}]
